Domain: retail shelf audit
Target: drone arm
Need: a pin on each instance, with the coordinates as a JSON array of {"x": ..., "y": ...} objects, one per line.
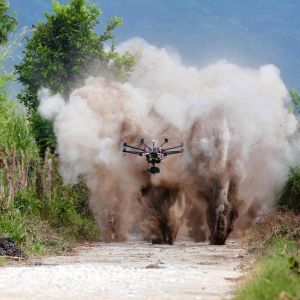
[
  {"x": 180, "y": 146},
  {"x": 143, "y": 143},
  {"x": 133, "y": 152},
  {"x": 166, "y": 141},
  {"x": 173, "y": 152},
  {"x": 132, "y": 147}
]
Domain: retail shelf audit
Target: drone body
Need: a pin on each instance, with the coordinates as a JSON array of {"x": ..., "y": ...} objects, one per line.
[{"x": 154, "y": 155}]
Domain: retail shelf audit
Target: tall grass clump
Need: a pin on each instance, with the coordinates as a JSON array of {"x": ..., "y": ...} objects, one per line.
[
  {"x": 37, "y": 210},
  {"x": 290, "y": 197},
  {"x": 275, "y": 241},
  {"x": 276, "y": 274}
]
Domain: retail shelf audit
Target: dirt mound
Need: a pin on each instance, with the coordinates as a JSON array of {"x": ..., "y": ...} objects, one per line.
[{"x": 8, "y": 247}]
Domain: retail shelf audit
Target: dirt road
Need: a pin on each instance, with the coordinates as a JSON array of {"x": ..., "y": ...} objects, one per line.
[{"x": 132, "y": 270}]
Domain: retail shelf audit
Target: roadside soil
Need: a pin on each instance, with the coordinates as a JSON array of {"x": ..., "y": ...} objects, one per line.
[{"x": 132, "y": 270}]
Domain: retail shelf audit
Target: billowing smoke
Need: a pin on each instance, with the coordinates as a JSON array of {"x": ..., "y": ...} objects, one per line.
[{"x": 234, "y": 124}]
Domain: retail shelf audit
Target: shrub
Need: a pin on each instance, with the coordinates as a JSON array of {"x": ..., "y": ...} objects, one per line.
[
  {"x": 290, "y": 197},
  {"x": 274, "y": 226}
]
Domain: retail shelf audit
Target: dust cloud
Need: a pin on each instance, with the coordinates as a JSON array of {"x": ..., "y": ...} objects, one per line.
[{"x": 233, "y": 121}]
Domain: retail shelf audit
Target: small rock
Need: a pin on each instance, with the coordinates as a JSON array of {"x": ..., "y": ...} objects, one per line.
[
  {"x": 8, "y": 247},
  {"x": 159, "y": 262},
  {"x": 154, "y": 266}
]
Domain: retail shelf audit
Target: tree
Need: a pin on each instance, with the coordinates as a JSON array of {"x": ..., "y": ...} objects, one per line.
[
  {"x": 65, "y": 50},
  {"x": 295, "y": 101},
  {"x": 7, "y": 23}
]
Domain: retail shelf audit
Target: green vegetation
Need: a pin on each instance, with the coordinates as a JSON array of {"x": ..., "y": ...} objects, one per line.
[
  {"x": 64, "y": 50},
  {"x": 62, "y": 53},
  {"x": 274, "y": 277},
  {"x": 276, "y": 273},
  {"x": 7, "y": 22},
  {"x": 295, "y": 101},
  {"x": 2, "y": 261},
  {"x": 290, "y": 196},
  {"x": 276, "y": 242},
  {"x": 38, "y": 211}
]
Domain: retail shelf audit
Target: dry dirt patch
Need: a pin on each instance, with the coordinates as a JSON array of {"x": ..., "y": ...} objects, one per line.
[{"x": 133, "y": 270}]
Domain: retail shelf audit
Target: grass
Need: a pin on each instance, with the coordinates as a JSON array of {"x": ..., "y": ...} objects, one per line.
[
  {"x": 37, "y": 210},
  {"x": 3, "y": 261},
  {"x": 273, "y": 276},
  {"x": 276, "y": 273},
  {"x": 50, "y": 223},
  {"x": 289, "y": 197},
  {"x": 37, "y": 236}
]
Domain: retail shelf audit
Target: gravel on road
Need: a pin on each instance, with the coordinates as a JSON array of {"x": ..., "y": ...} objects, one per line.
[{"x": 132, "y": 270}]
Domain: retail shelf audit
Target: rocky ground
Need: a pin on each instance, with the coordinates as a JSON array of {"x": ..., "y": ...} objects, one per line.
[{"x": 132, "y": 270}]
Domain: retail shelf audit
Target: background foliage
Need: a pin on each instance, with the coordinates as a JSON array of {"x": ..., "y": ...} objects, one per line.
[
  {"x": 37, "y": 210},
  {"x": 8, "y": 23},
  {"x": 62, "y": 53},
  {"x": 290, "y": 197}
]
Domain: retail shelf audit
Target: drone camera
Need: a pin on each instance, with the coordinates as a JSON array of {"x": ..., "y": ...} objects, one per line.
[
  {"x": 166, "y": 140},
  {"x": 125, "y": 145},
  {"x": 154, "y": 170},
  {"x": 142, "y": 141}
]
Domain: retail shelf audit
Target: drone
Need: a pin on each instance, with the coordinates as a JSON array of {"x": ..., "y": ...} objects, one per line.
[{"x": 154, "y": 155}]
